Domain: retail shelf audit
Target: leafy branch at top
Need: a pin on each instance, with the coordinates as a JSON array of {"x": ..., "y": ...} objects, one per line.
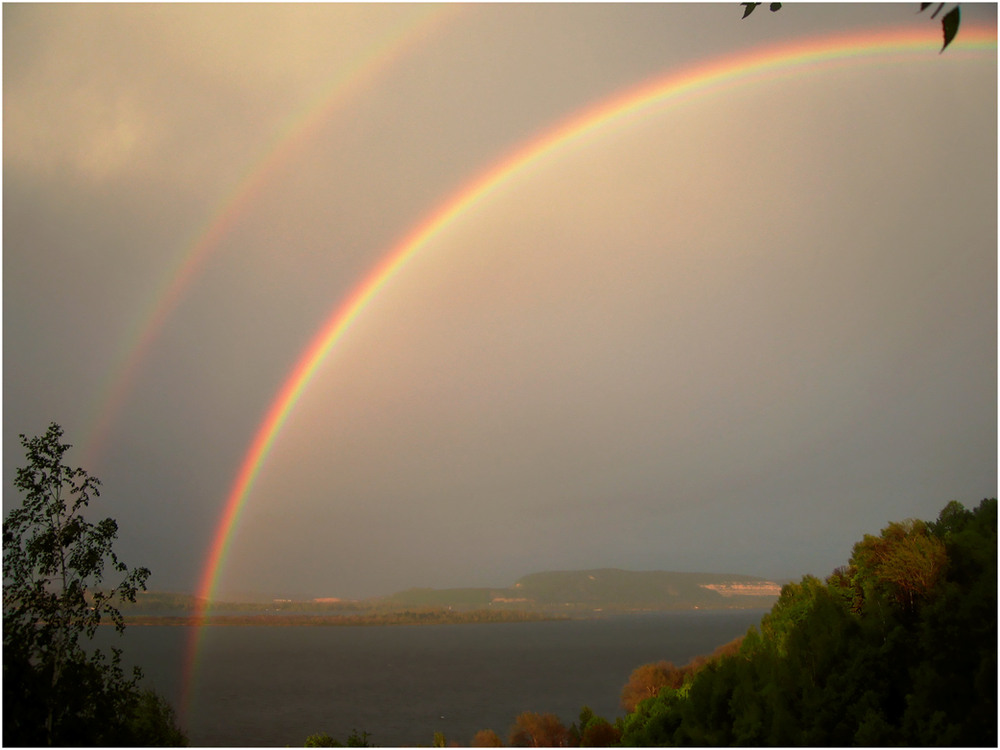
[
  {"x": 949, "y": 22},
  {"x": 749, "y": 8}
]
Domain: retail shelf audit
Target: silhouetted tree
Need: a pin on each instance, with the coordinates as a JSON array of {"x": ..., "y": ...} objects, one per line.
[{"x": 55, "y": 691}]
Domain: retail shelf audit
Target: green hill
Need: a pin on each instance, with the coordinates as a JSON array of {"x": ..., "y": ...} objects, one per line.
[
  {"x": 605, "y": 589},
  {"x": 652, "y": 589}
]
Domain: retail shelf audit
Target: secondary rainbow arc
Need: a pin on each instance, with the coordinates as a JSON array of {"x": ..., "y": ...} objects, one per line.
[
  {"x": 289, "y": 138},
  {"x": 797, "y": 58}
]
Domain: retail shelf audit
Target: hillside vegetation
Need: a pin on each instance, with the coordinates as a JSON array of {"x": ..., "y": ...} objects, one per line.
[
  {"x": 898, "y": 647},
  {"x": 606, "y": 589}
]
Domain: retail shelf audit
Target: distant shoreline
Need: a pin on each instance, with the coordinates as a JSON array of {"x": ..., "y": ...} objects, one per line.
[
  {"x": 551, "y": 595},
  {"x": 382, "y": 619}
]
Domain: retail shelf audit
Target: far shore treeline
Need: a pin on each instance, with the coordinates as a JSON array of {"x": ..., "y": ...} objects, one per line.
[
  {"x": 430, "y": 616},
  {"x": 577, "y": 593}
]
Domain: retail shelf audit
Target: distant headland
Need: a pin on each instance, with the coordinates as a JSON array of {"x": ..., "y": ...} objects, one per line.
[{"x": 566, "y": 593}]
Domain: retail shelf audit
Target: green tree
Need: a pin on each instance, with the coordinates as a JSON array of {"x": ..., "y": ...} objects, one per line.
[
  {"x": 56, "y": 692},
  {"x": 953, "y": 696},
  {"x": 153, "y": 723},
  {"x": 902, "y": 564},
  {"x": 898, "y": 648},
  {"x": 321, "y": 739}
]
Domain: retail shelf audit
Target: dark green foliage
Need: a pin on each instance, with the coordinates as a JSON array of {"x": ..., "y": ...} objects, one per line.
[
  {"x": 899, "y": 647},
  {"x": 55, "y": 691},
  {"x": 355, "y": 739},
  {"x": 321, "y": 740},
  {"x": 153, "y": 723},
  {"x": 358, "y": 739},
  {"x": 954, "y": 692}
]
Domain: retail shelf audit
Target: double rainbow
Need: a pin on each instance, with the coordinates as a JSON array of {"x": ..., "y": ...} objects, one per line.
[{"x": 699, "y": 80}]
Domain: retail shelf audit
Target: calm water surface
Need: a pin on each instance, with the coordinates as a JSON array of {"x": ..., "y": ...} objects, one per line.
[{"x": 274, "y": 686}]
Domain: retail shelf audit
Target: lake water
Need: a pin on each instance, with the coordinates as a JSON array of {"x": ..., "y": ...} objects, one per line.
[{"x": 274, "y": 686}]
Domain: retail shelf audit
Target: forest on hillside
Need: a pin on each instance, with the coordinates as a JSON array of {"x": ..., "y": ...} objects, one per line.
[{"x": 898, "y": 647}]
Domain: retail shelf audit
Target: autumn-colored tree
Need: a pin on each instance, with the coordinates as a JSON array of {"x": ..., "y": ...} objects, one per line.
[
  {"x": 539, "y": 730},
  {"x": 486, "y": 738},
  {"x": 648, "y": 680},
  {"x": 726, "y": 649},
  {"x": 902, "y": 564},
  {"x": 599, "y": 732}
]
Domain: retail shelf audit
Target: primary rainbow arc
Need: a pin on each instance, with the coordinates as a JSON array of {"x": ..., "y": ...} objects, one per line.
[{"x": 786, "y": 59}]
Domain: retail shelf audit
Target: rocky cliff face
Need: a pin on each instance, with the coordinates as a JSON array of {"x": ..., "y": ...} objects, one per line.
[
  {"x": 763, "y": 588},
  {"x": 643, "y": 590}
]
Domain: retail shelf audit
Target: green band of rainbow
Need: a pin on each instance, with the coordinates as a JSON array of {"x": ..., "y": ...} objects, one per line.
[{"x": 713, "y": 77}]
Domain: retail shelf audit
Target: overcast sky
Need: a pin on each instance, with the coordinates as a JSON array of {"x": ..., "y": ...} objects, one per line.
[{"x": 731, "y": 335}]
